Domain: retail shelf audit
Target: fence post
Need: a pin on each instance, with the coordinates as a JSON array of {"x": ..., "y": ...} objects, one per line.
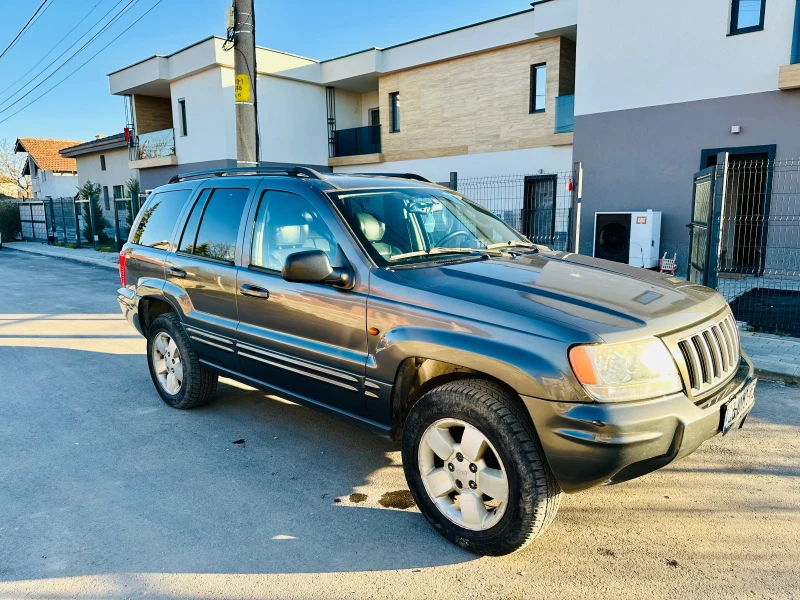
[
  {"x": 454, "y": 181},
  {"x": 63, "y": 221},
  {"x": 33, "y": 226},
  {"x": 116, "y": 225},
  {"x": 573, "y": 243},
  {"x": 91, "y": 224},
  {"x": 714, "y": 227},
  {"x": 77, "y": 224}
]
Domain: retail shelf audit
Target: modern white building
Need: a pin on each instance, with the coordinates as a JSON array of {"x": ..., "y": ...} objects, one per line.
[
  {"x": 104, "y": 161},
  {"x": 663, "y": 87},
  {"x": 491, "y": 98},
  {"x": 52, "y": 175}
]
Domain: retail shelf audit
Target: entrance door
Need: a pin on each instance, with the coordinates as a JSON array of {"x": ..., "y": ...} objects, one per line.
[
  {"x": 700, "y": 227},
  {"x": 539, "y": 210},
  {"x": 743, "y": 224}
]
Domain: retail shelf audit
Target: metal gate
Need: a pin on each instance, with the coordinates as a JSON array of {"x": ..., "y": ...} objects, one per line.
[
  {"x": 700, "y": 229},
  {"x": 539, "y": 210},
  {"x": 34, "y": 221}
]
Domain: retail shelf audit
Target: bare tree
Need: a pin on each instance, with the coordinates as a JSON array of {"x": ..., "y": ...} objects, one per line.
[{"x": 11, "y": 166}]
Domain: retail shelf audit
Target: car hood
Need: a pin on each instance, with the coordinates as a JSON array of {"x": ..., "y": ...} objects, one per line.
[{"x": 605, "y": 298}]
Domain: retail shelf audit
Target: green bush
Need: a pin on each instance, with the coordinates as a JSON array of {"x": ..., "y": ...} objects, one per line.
[{"x": 10, "y": 226}]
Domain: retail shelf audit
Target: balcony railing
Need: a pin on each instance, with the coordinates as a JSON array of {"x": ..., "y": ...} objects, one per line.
[
  {"x": 358, "y": 140},
  {"x": 154, "y": 144},
  {"x": 565, "y": 114}
]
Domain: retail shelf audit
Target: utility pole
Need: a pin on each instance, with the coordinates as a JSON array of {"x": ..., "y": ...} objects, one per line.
[{"x": 244, "y": 62}]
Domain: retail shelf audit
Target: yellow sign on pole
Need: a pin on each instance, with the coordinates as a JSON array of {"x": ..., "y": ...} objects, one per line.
[{"x": 242, "y": 88}]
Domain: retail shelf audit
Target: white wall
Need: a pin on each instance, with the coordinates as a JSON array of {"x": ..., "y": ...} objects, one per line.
[
  {"x": 53, "y": 185},
  {"x": 369, "y": 100},
  {"x": 116, "y": 173},
  {"x": 550, "y": 159},
  {"x": 293, "y": 121},
  {"x": 635, "y": 53},
  {"x": 348, "y": 109},
  {"x": 210, "y": 116}
]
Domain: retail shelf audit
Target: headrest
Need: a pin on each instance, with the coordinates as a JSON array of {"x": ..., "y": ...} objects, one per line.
[
  {"x": 370, "y": 226},
  {"x": 291, "y": 235}
]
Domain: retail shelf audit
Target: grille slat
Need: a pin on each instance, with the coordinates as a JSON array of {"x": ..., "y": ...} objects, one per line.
[{"x": 711, "y": 355}]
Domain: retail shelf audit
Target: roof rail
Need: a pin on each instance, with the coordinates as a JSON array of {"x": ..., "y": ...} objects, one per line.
[
  {"x": 234, "y": 171},
  {"x": 398, "y": 175}
]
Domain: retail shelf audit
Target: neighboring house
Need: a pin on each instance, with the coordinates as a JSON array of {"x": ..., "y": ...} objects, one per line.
[
  {"x": 52, "y": 175},
  {"x": 103, "y": 161},
  {"x": 491, "y": 98},
  {"x": 9, "y": 187},
  {"x": 677, "y": 83}
]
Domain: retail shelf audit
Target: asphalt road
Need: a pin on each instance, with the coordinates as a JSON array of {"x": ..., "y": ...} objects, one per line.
[{"x": 105, "y": 492}]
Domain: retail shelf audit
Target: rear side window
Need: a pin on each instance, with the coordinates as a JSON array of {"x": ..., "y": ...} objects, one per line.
[
  {"x": 158, "y": 219},
  {"x": 218, "y": 216}
]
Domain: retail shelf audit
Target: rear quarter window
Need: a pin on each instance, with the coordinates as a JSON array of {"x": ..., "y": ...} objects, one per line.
[{"x": 158, "y": 219}]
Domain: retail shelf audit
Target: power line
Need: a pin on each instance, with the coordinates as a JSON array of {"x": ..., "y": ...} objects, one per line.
[
  {"x": 91, "y": 58},
  {"x": 59, "y": 67},
  {"x": 24, "y": 29},
  {"x": 49, "y": 52}
]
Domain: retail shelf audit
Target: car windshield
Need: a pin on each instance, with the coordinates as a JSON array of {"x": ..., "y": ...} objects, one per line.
[{"x": 411, "y": 225}]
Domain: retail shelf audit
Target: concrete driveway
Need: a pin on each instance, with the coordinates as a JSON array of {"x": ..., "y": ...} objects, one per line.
[{"x": 105, "y": 492}]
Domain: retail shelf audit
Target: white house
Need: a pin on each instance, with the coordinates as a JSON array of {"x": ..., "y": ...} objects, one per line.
[
  {"x": 490, "y": 98},
  {"x": 52, "y": 175},
  {"x": 104, "y": 161}
]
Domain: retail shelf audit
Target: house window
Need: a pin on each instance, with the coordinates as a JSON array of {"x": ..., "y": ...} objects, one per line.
[
  {"x": 182, "y": 107},
  {"x": 105, "y": 198},
  {"x": 538, "y": 88},
  {"x": 102, "y": 162},
  {"x": 119, "y": 192},
  {"x": 747, "y": 16},
  {"x": 394, "y": 105}
]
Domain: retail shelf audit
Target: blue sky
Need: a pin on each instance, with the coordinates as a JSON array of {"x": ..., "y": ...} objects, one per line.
[{"x": 81, "y": 107}]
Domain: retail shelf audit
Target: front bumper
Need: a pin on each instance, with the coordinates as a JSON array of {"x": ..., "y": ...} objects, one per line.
[
  {"x": 129, "y": 304},
  {"x": 590, "y": 444}
]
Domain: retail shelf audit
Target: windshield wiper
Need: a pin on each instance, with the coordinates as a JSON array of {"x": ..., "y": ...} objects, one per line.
[
  {"x": 512, "y": 244},
  {"x": 438, "y": 250}
]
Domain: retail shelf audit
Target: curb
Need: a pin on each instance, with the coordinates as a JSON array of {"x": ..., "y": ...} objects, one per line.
[{"x": 73, "y": 259}]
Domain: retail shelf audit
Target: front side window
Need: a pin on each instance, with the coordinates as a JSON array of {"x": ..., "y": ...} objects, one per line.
[
  {"x": 398, "y": 226},
  {"x": 538, "y": 88},
  {"x": 394, "y": 105},
  {"x": 158, "y": 219},
  {"x": 218, "y": 213},
  {"x": 747, "y": 16},
  {"x": 285, "y": 224}
]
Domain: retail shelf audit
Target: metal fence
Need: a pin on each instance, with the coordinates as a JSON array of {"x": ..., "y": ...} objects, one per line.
[
  {"x": 755, "y": 233},
  {"x": 69, "y": 221},
  {"x": 539, "y": 206}
]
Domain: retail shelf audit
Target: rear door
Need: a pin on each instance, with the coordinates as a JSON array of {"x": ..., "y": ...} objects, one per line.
[
  {"x": 202, "y": 269},
  {"x": 307, "y": 339}
]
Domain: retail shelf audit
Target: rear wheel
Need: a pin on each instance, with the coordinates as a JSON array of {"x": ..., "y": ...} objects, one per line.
[
  {"x": 175, "y": 368},
  {"x": 476, "y": 470}
]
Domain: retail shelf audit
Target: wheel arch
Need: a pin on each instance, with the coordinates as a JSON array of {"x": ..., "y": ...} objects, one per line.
[{"x": 151, "y": 307}]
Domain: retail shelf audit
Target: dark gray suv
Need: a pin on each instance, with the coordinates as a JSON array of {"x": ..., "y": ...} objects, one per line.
[{"x": 510, "y": 373}]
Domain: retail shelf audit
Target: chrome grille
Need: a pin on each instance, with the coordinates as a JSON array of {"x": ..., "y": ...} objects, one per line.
[{"x": 711, "y": 355}]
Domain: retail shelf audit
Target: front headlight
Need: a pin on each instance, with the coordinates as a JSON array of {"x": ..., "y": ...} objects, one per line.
[{"x": 626, "y": 371}]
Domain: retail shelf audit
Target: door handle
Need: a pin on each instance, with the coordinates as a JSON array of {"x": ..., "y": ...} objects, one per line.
[
  {"x": 176, "y": 272},
  {"x": 254, "y": 291}
]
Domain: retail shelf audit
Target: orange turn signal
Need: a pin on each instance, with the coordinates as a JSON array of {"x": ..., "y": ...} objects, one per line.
[{"x": 582, "y": 365}]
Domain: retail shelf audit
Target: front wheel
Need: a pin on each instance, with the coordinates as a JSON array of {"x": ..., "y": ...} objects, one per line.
[{"x": 475, "y": 468}]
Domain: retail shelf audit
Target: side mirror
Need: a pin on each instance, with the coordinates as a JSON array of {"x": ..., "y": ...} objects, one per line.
[{"x": 313, "y": 266}]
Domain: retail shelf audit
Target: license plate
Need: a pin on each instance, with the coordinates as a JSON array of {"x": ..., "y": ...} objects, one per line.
[{"x": 736, "y": 409}]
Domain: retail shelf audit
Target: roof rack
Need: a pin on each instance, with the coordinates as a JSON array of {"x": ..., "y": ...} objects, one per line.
[
  {"x": 398, "y": 175},
  {"x": 234, "y": 171}
]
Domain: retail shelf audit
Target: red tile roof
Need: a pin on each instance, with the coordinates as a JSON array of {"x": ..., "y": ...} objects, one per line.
[{"x": 45, "y": 154}]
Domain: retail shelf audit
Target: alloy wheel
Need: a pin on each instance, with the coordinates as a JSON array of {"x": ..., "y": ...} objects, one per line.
[{"x": 167, "y": 363}]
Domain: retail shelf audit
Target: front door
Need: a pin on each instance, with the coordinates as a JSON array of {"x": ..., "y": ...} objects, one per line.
[
  {"x": 307, "y": 339},
  {"x": 203, "y": 266}
]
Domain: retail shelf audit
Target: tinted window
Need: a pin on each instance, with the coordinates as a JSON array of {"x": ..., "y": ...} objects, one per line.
[
  {"x": 219, "y": 225},
  {"x": 158, "y": 219},
  {"x": 287, "y": 223},
  {"x": 190, "y": 230}
]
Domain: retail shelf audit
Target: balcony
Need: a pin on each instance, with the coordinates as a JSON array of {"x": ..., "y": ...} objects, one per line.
[
  {"x": 358, "y": 141},
  {"x": 565, "y": 114},
  {"x": 153, "y": 149}
]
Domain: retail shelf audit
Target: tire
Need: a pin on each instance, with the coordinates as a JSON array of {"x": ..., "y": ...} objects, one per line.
[
  {"x": 509, "y": 442},
  {"x": 197, "y": 385}
]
